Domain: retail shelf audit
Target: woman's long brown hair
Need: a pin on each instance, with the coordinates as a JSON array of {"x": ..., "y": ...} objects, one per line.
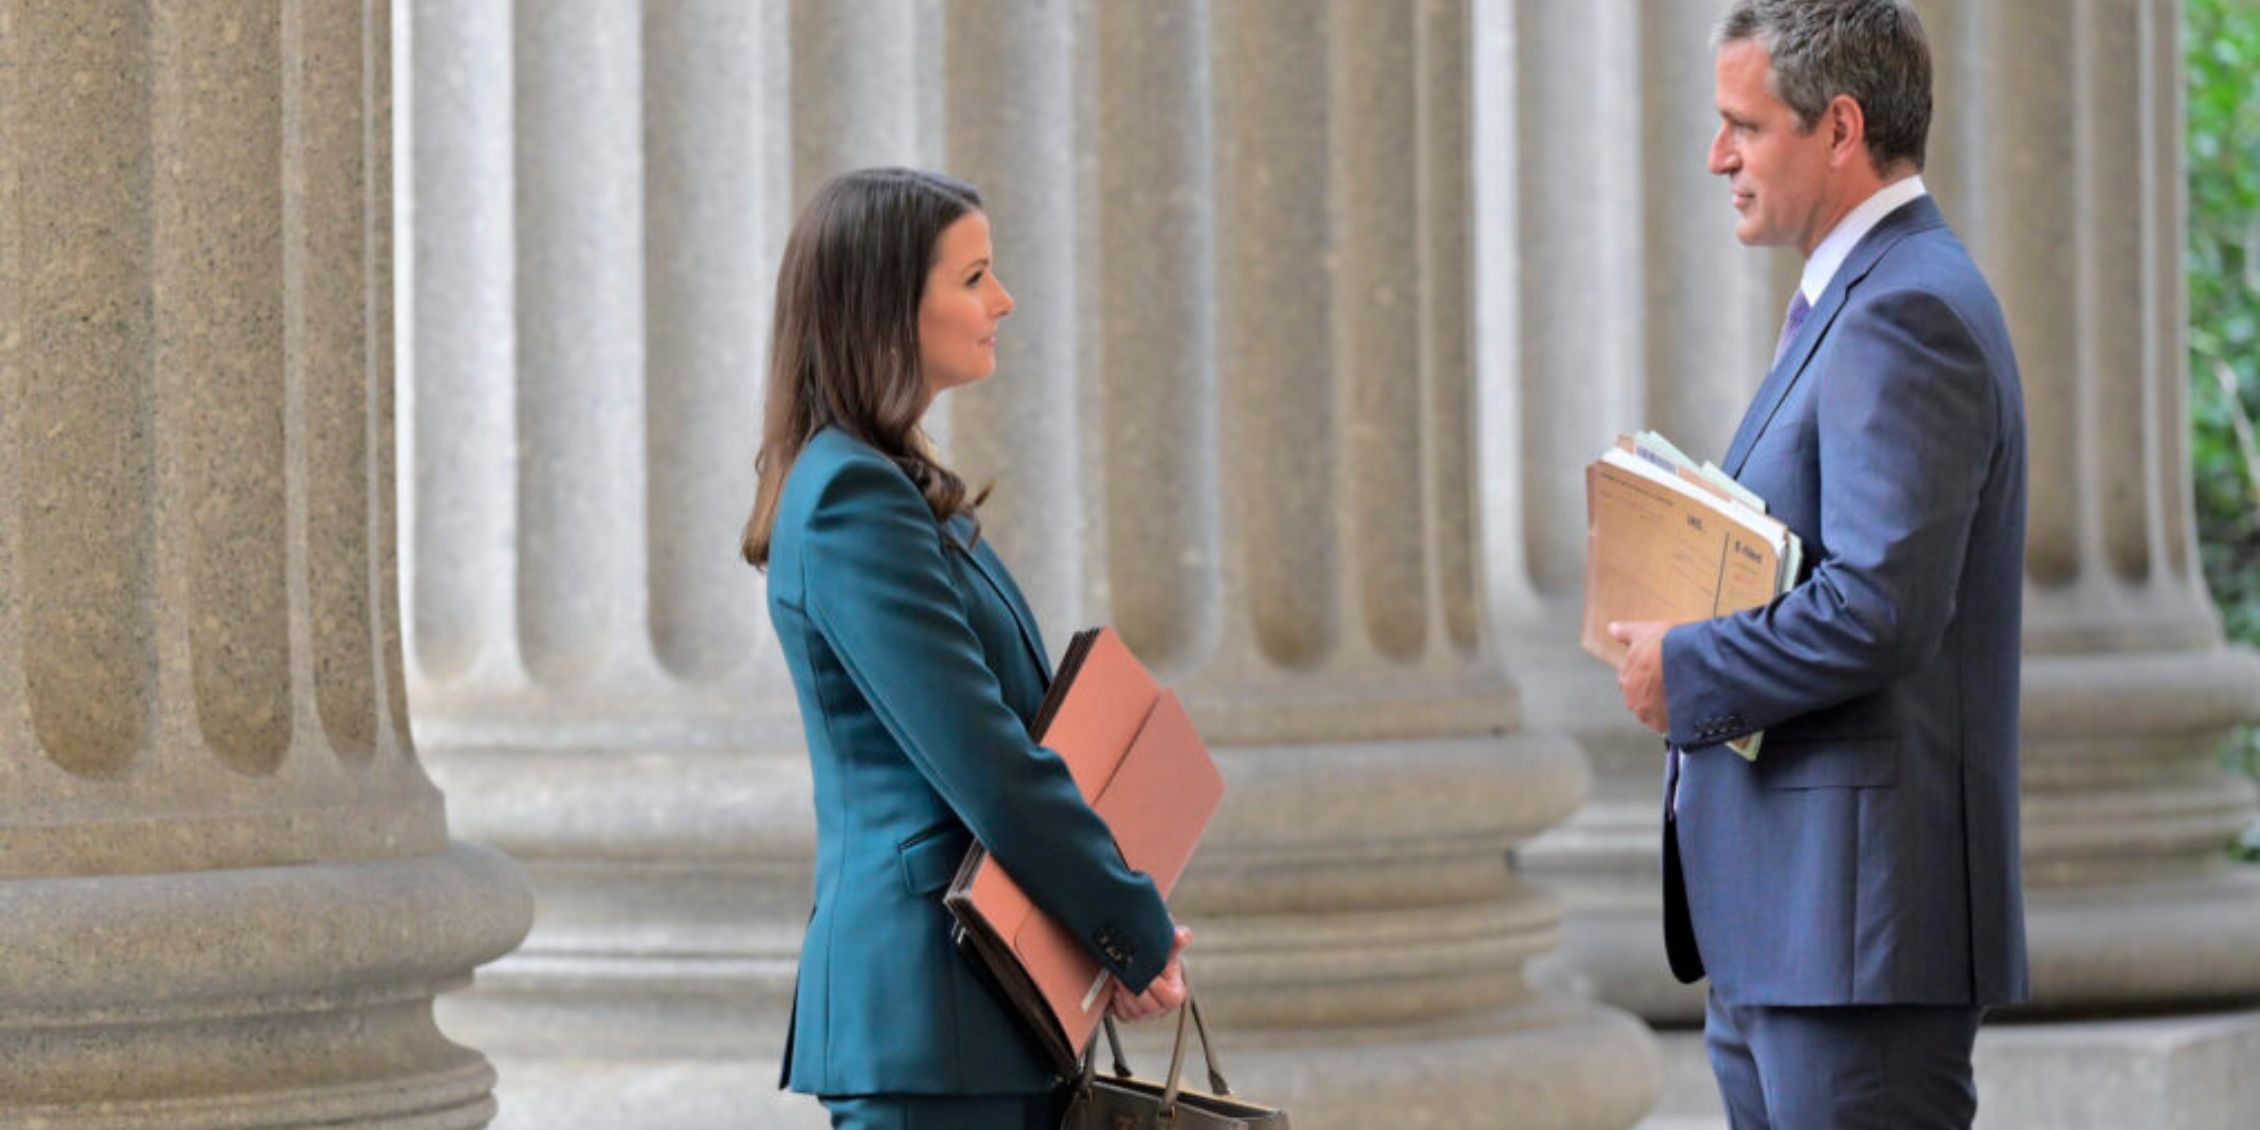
[{"x": 843, "y": 346}]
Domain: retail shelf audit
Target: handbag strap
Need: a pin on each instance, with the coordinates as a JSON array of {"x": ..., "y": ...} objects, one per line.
[
  {"x": 1177, "y": 1063},
  {"x": 1114, "y": 1045},
  {"x": 1217, "y": 1085},
  {"x": 1191, "y": 1012}
]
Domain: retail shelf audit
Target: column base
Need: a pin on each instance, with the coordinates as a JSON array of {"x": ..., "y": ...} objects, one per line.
[
  {"x": 1603, "y": 864},
  {"x": 2193, "y": 943},
  {"x": 1552, "y": 1064},
  {"x": 673, "y": 885},
  {"x": 1617, "y": 956},
  {"x": 1354, "y": 890},
  {"x": 2148, "y": 946},
  {"x": 2188, "y": 1072},
  {"x": 565, "y": 1094},
  {"x": 631, "y": 1043},
  {"x": 250, "y": 999}
]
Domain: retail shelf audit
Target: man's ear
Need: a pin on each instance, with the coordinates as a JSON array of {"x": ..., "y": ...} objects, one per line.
[{"x": 1847, "y": 127}]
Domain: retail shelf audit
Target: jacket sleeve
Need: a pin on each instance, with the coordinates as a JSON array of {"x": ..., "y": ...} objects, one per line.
[
  {"x": 879, "y": 590},
  {"x": 1908, "y": 430}
]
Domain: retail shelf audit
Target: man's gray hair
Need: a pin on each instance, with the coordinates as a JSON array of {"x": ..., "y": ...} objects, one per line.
[{"x": 1873, "y": 50}]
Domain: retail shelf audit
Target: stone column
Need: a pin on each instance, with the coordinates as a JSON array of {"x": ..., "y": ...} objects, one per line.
[
  {"x": 2055, "y": 155},
  {"x": 1271, "y": 488},
  {"x": 865, "y": 89},
  {"x": 595, "y": 241},
  {"x": 2068, "y": 162},
  {"x": 1261, "y": 453},
  {"x": 1635, "y": 309},
  {"x": 228, "y": 895},
  {"x": 1012, "y": 117}
]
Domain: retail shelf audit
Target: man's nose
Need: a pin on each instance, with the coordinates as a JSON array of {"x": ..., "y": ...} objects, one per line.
[{"x": 1722, "y": 154}]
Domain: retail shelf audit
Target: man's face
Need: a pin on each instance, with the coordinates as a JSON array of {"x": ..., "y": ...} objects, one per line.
[{"x": 1777, "y": 173}]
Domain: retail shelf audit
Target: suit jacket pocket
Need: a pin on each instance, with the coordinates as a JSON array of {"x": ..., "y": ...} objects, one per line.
[
  {"x": 1828, "y": 763},
  {"x": 931, "y": 858}
]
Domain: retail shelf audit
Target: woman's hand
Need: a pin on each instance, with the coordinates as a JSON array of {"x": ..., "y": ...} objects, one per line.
[{"x": 1164, "y": 993}]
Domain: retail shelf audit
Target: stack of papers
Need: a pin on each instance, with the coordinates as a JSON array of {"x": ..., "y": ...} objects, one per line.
[{"x": 1668, "y": 539}]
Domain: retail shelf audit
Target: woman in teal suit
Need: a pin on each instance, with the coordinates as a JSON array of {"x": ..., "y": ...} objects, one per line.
[{"x": 918, "y": 668}]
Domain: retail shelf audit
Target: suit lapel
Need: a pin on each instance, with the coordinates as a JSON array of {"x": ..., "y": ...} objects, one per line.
[
  {"x": 1007, "y": 592},
  {"x": 1916, "y": 215}
]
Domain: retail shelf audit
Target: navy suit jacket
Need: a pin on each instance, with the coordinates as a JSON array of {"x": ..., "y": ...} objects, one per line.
[
  {"x": 918, "y": 668},
  {"x": 1869, "y": 855}
]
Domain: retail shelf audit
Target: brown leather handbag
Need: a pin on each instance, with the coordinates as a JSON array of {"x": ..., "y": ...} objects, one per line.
[{"x": 1124, "y": 1102}]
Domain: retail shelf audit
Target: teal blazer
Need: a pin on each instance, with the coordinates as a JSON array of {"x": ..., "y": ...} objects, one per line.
[{"x": 918, "y": 668}]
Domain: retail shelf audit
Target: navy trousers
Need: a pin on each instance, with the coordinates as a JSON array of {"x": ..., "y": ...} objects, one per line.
[
  {"x": 1865, "y": 1067},
  {"x": 945, "y": 1112}
]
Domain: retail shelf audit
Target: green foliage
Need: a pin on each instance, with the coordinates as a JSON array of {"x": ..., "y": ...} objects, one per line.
[{"x": 2222, "y": 47}]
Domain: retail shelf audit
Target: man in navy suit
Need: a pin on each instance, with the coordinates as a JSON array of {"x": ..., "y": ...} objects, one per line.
[{"x": 1853, "y": 893}]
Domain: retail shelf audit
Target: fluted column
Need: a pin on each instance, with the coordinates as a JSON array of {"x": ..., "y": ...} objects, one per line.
[
  {"x": 230, "y": 896},
  {"x": 2128, "y": 686},
  {"x": 866, "y": 86},
  {"x": 600, "y": 205},
  {"x": 1012, "y": 116},
  {"x": 2055, "y": 154},
  {"x": 1635, "y": 309},
  {"x": 1232, "y": 418},
  {"x": 1266, "y": 221}
]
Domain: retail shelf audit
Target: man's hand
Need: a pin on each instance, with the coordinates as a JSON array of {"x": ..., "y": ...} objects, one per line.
[
  {"x": 1642, "y": 676},
  {"x": 1166, "y": 992}
]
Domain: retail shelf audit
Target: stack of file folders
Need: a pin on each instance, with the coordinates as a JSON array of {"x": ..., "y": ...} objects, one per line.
[{"x": 1668, "y": 539}]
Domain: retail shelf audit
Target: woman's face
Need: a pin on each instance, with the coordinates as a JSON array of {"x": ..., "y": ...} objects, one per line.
[{"x": 958, "y": 315}]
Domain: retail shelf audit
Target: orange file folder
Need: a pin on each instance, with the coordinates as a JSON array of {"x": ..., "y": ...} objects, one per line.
[{"x": 1136, "y": 758}]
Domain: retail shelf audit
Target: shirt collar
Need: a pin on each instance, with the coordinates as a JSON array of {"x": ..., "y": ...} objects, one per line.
[{"x": 1846, "y": 235}]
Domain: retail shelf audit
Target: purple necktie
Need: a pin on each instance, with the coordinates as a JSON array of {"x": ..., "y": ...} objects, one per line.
[{"x": 1798, "y": 308}]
